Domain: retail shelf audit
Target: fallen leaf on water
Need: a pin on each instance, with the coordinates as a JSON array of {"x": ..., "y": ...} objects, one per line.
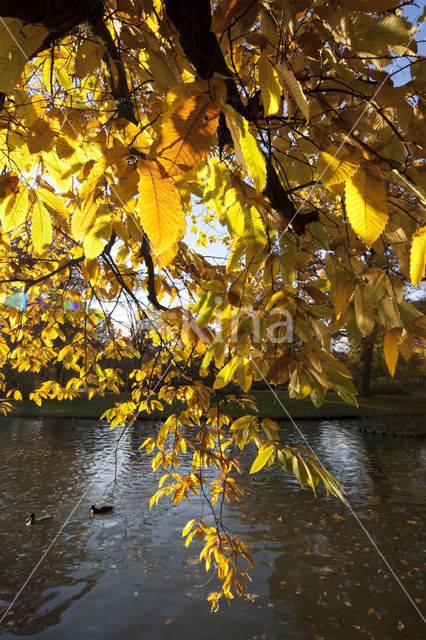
[
  {"x": 400, "y": 626},
  {"x": 169, "y": 621}
]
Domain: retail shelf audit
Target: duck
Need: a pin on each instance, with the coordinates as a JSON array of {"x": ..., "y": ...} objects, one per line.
[
  {"x": 99, "y": 510},
  {"x": 33, "y": 520}
]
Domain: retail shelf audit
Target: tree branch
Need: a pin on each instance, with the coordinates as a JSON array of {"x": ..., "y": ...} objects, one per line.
[
  {"x": 192, "y": 21},
  {"x": 33, "y": 282}
]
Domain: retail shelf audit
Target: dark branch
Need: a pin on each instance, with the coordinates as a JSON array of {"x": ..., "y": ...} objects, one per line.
[
  {"x": 192, "y": 21},
  {"x": 31, "y": 281},
  {"x": 146, "y": 254}
]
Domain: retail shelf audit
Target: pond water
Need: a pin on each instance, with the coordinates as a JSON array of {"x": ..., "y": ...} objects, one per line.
[{"x": 128, "y": 574}]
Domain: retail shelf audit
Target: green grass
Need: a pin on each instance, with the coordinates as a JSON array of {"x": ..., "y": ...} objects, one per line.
[
  {"x": 333, "y": 407},
  {"x": 81, "y": 407}
]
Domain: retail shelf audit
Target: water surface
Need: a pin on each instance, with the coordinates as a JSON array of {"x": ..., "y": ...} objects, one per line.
[{"x": 128, "y": 574}]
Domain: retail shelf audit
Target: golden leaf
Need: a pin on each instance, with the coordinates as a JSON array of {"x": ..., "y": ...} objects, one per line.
[
  {"x": 41, "y": 229},
  {"x": 245, "y": 374},
  {"x": 226, "y": 375},
  {"x": 343, "y": 297},
  {"x": 254, "y": 232},
  {"x": 418, "y": 256},
  {"x": 390, "y": 347},
  {"x": 40, "y": 136},
  {"x": 15, "y": 211},
  {"x": 269, "y": 86},
  {"x": 364, "y": 312},
  {"x": 265, "y": 455},
  {"x": 88, "y": 58},
  {"x": 159, "y": 207},
  {"x": 333, "y": 170},
  {"x": 185, "y": 136},
  {"x": 367, "y": 203},
  {"x": 94, "y": 240},
  {"x": 83, "y": 219},
  {"x": 406, "y": 346},
  {"x": 52, "y": 200},
  {"x": 18, "y": 42},
  {"x": 246, "y": 147},
  {"x": 290, "y": 82},
  {"x": 165, "y": 257}
]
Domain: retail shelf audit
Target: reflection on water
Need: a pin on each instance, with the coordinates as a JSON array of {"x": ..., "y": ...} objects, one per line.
[{"x": 128, "y": 575}]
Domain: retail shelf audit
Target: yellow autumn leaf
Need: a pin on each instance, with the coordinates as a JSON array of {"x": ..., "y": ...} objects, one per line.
[
  {"x": 246, "y": 148},
  {"x": 254, "y": 235},
  {"x": 291, "y": 83},
  {"x": 243, "y": 422},
  {"x": 343, "y": 297},
  {"x": 390, "y": 347},
  {"x": 15, "y": 211},
  {"x": 18, "y": 42},
  {"x": 82, "y": 219},
  {"x": 187, "y": 528},
  {"x": 41, "y": 135},
  {"x": 185, "y": 136},
  {"x": 367, "y": 203},
  {"x": 159, "y": 207},
  {"x": 88, "y": 58},
  {"x": 233, "y": 217},
  {"x": 418, "y": 256},
  {"x": 53, "y": 201},
  {"x": 364, "y": 311},
  {"x": 159, "y": 69},
  {"x": 41, "y": 229},
  {"x": 96, "y": 173},
  {"x": 226, "y": 375},
  {"x": 406, "y": 346},
  {"x": 269, "y": 86},
  {"x": 266, "y": 452},
  {"x": 245, "y": 374},
  {"x": 94, "y": 240},
  {"x": 333, "y": 170}
]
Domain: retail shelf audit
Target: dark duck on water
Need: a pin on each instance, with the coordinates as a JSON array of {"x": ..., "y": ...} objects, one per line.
[
  {"x": 33, "y": 520},
  {"x": 99, "y": 510}
]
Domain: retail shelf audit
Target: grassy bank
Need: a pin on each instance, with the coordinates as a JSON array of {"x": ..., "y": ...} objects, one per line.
[{"x": 383, "y": 413}]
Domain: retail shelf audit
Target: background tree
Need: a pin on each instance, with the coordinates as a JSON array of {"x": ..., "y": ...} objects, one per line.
[{"x": 284, "y": 121}]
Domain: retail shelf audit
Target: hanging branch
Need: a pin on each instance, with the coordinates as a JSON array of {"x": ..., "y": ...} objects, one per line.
[{"x": 125, "y": 109}]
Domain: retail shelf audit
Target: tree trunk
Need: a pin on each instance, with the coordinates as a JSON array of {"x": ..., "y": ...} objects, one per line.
[{"x": 367, "y": 349}]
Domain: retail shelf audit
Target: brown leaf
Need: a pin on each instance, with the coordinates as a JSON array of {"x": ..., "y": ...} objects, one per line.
[
  {"x": 9, "y": 183},
  {"x": 185, "y": 136}
]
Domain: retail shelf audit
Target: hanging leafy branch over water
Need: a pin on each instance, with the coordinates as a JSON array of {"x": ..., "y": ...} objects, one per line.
[{"x": 121, "y": 121}]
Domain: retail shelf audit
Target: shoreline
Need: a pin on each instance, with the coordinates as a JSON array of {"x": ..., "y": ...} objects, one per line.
[
  {"x": 388, "y": 415},
  {"x": 364, "y": 423}
]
